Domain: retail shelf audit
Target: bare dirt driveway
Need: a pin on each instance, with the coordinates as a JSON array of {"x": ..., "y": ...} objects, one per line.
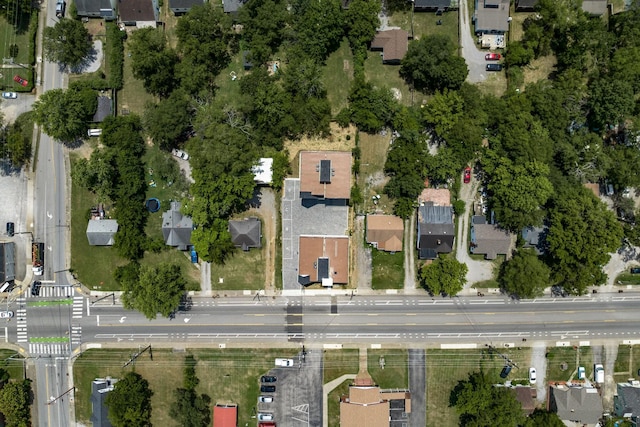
[{"x": 471, "y": 54}]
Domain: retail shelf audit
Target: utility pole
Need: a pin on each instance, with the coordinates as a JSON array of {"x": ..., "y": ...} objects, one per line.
[
  {"x": 113, "y": 295},
  {"x": 136, "y": 355},
  {"x": 61, "y": 396}
]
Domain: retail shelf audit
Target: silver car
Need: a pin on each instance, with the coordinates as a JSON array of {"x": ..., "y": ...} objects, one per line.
[{"x": 9, "y": 95}]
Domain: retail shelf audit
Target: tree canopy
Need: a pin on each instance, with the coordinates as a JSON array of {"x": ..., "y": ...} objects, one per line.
[
  {"x": 189, "y": 408},
  {"x": 63, "y": 114},
  {"x": 15, "y": 403},
  {"x": 130, "y": 402},
  {"x": 152, "y": 61},
  {"x": 168, "y": 121},
  {"x": 445, "y": 276},
  {"x": 524, "y": 275},
  {"x": 431, "y": 65},
  {"x": 67, "y": 43},
  {"x": 157, "y": 289}
]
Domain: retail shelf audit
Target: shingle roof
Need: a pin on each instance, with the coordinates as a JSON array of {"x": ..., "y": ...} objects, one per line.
[
  {"x": 225, "y": 415},
  {"x": 325, "y": 174},
  {"x": 176, "y": 228},
  {"x": 246, "y": 233},
  {"x": 7, "y": 262},
  {"x": 435, "y": 4},
  {"x": 92, "y": 7},
  {"x": 103, "y": 110},
  {"x": 578, "y": 404},
  {"x": 100, "y": 388},
  {"x": 526, "y": 4},
  {"x": 492, "y": 18},
  {"x": 231, "y": 6},
  {"x": 490, "y": 240},
  {"x": 184, "y": 4},
  {"x": 393, "y": 43},
  {"x": 100, "y": 232},
  {"x": 595, "y": 7},
  {"x": 331, "y": 252},
  {"x": 534, "y": 237},
  {"x": 386, "y": 231},
  {"x": 432, "y": 214},
  {"x": 627, "y": 403},
  {"x": 136, "y": 11}
]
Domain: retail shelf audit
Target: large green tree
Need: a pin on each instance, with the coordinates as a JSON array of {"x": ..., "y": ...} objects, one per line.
[
  {"x": 63, "y": 115},
  {"x": 431, "y": 64},
  {"x": 152, "y": 61},
  {"x": 130, "y": 402},
  {"x": 519, "y": 193},
  {"x": 264, "y": 25},
  {"x": 582, "y": 234},
  {"x": 443, "y": 111},
  {"x": 189, "y": 408},
  {"x": 405, "y": 166},
  {"x": 611, "y": 101},
  {"x": 158, "y": 289},
  {"x": 67, "y": 43},
  {"x": 318, "y": 27},
  {"x": 444, "y": 276},
  {"x": 361, "y": 21},
  {"x": 540, "y": 417},
  {"x": 524, "y": 275},
  {"x": 481, "y": 404},
  {"x": 168, "y": 121},
  {"x": 15, "y": 403}
]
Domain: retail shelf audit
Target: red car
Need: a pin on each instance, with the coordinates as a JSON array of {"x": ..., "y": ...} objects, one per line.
[
  {"x": 492, "y": 57},
  {"x": 467, "y": 175},
  {"x": 20, "y": 80}
]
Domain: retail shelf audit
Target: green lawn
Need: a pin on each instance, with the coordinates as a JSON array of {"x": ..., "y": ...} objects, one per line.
[
  {"x": 242, "y": 270},
  {"x": 388, "y": 270},
  {"x": 425, "y": 24},
  {"x": 627, "y": 363},
  {"x": 337, "y": 363},
  {"x": 333, "y": 402},
  {"x": 338, "y": 75},
  {"x": 12, "y": 362},
  {"x": 228, "y": 92},
  {"x": 628, "y": 279},
  {"x": 225, "y": 375},
  {"x": 387, "y": 76},
  {"x": 388, "y": 367},
  {"x": 446, "y": 367},
  {"x": 559, "y": 358},
  {"x": 16, "y": 33},
  {"x": 133, "y": 96},
  {"x": 94, "y": 265}
]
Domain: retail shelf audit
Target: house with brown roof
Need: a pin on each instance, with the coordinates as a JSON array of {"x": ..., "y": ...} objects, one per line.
[
  {"x": 393, "y": 44},
  {"x": 385, "y": 232},
  {"x": 526, "y": 396},
  {"x": 488, "y": 239},
  {"x": 367, "y": 405},
  {"x": 325, "y": 176},
  {"x": 138, "y": 13},
  {"x": 225, "y": 415},
  {"x": 323, "y": 259}
]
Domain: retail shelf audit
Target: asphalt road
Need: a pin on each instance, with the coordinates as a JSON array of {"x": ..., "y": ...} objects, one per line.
[{"x": 418, "y": 321}]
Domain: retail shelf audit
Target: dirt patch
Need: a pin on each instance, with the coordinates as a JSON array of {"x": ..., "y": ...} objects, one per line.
[
  {"x": 345, "y": 65},
  {"x": 96, "y": 27},
  {"x": 539, "y": 69}
]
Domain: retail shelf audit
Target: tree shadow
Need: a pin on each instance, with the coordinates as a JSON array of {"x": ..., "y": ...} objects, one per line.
[
  {"x": 7, "y": 168},
  {"x": 89, "y": 58}
]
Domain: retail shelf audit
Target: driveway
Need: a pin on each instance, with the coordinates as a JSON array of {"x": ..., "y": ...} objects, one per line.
[
  {"x": 14, "y": 208},
  {"x": 539, "y": 361},
  {"x": 12, "y": 108},
  {"x": 418, "y": 387},
  {"x": 471, "y": 54},
  {"x": 478, "y": 270}
]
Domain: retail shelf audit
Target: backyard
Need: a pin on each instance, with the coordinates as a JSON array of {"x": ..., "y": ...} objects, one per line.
[
  {"x": 338, "y": 75},
  {"x": 229, "y": 375},
  {"x": 17, "y": 38},
  {"x": 446, "y": 367}
]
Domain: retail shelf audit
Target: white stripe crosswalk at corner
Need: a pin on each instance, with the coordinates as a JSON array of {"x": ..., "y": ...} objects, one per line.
[
  {"x": 53, "y": 349},
  {"x": 53, "y": 292},
  {"x": 76, "y": 335},
  {"x": 21, "y": 320},
  {"x": 78, "y": 307}
]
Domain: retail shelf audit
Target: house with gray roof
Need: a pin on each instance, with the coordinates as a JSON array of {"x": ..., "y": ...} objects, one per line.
[
  {"x": 232, "y": 6},
  {"x": 180, "y": 7},
  {"x": 526, "y": 5},
  {"x": 7, "y": 262},
  {"x": 105, "y": 9},
  {"x": 626, "y": 402},
  {"x": 435, "y": 230},
  {"x": 437, "y": 6},
  {"x": 489, "y": 240},
  {"x": 104, "y": 109},
  {"x": 535, "y": 238},
  {"x": 100, "y": 232},
  {"x": 594, "y": 7},
  {"x": 575, "y": 404},
  {"x": 491, "y": 16},
  {"x": 100, "y": 388},
  {"x": 246, "y": 233},
  {"x": 176, "y": 228}
]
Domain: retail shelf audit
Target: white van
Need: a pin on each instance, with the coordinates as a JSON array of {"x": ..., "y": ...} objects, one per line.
[
  {"x": 598, "y": 373},
  {"x": 94, "y": 132}
]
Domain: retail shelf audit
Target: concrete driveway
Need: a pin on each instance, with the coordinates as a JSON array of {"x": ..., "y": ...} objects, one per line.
[{"x": 471, "y": 54}]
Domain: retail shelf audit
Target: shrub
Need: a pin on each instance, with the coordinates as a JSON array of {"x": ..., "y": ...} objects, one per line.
[{"x": 115, "y": 55}]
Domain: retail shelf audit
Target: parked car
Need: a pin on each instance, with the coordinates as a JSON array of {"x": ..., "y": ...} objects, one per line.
[
  {"x": 581, "y": 373},
  {"x": 467, "y": 175},
  {"x": 492, "y": 57},
  {"x": 494, "y": 67},
  {"x": 268, "y": 379},
  {"x": 505, "y": 371},
  {"x": 10, "y": 229},
  {"x": 180, "y": 154},
  {"x": 9, "y": 95},
  {"x": 265, "y": 416},
  {"x": 6, "y": 314},
  {"x": 532, "y": 375},
  {"x": 20, "y": 80},
  {"x": 265, "y": 399},
  {"x": 35, "y": 288},
  {"x": 60, "y": 8},
  {"x": 635, "y": 270},
  {"x": 267, "y": 389}
]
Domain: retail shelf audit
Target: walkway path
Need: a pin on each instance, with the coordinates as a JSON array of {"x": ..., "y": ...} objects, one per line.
[{"x": 328, "y": 388}]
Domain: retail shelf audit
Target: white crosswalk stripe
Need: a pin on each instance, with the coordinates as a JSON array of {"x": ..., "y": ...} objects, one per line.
[
  {"x": 76, "y": 335},
  {"x": 47, "y": 291},
  {"x": 21, "y": 320},
  {"x": 53, "y": 349},
  {"x": 78, "y": 307}
]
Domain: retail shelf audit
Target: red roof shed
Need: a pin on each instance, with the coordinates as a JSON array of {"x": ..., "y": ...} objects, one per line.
[{"x": 225, "y": 415}]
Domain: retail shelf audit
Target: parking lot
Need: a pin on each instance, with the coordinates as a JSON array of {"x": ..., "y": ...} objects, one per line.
[
  {"x": 297, "y": 400},
  {"x": 13, "y": 193}
]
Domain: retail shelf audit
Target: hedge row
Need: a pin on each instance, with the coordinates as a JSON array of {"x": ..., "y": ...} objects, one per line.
[{"x": 115, "y": 55}]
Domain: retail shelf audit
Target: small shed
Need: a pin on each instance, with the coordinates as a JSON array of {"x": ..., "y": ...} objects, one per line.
[
  {"x": 225, "y": 415},
  {"x": 100, "y": 232},
  {"x": 246, "y": 233},
  {"x": 100, "y": 388},
  {"x": 103, "y": 110},
  {"x": 180, "y": 7}
]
